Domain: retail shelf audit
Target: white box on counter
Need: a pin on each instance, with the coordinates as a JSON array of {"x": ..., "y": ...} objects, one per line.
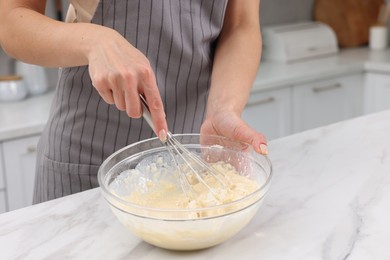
[{"x": 292, "y": 42}]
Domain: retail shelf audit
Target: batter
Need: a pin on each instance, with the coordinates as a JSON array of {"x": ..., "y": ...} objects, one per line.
[{"x": 168, "y": 193}]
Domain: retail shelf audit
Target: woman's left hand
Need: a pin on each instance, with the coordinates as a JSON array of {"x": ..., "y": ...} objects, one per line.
[{"x": 230, "y": 125}]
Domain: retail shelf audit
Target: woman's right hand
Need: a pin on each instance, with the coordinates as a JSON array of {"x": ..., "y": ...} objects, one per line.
[{"x": 120, "y": 73}]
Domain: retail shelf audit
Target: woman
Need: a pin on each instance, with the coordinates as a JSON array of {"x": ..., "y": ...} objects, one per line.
[{"x": 182, "y": 55}]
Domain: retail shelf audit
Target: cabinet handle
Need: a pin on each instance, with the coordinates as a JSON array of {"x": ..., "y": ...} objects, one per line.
[
  {"x": 31, "y": 149},
  {"x": 326, "y": 88},
  {"x": 261, "y": 102}
]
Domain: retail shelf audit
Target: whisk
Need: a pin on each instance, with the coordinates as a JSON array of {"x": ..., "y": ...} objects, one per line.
[{"x": 191, "y": 166}]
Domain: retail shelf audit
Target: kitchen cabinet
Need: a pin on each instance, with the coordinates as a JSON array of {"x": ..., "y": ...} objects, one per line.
[
  {"x": 19, "y": 161},
  {"x": 269, "y": 112},
  {"x": 376, "y": 92},
  {"x": 2, "y": 182},
  {"x": 3, "y": 202},
  {"x": 327, "y": 101}
]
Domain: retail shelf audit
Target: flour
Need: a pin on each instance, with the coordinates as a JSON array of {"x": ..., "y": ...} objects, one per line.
[
  {"x": 157, "y": 183},
  {"x": 157, "y": 210}
]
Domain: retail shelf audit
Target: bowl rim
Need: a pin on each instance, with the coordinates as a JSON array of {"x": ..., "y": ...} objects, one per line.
[{"x": 106, "y": 192}]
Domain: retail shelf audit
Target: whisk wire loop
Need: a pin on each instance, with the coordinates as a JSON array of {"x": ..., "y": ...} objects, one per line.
[
  {"x": 190, "y": 160},
  {"x": 197, "y": 166}
]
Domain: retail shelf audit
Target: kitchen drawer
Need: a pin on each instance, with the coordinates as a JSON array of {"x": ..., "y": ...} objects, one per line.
[
  {"x": 327, "y": 101},
  {"x": 376, "y": 92},
  {"x": 20, "y": 160},
  {"x": 269, "y": 112},
  {"x": 3, "y": 202}
]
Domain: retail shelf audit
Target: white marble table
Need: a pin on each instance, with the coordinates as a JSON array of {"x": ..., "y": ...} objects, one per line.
[{"x": 329, "y": 199}]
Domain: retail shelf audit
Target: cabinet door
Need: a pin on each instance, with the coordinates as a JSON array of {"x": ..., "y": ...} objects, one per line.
[
  {"x": 3, "y": 203},
  {"x": 320, "y": 103},
  {"x": 269, "y": 112},
  {"x": 19, "y": 159},
  {"x": 377, "y": 92},
  {"x": 2, "y": 182}
]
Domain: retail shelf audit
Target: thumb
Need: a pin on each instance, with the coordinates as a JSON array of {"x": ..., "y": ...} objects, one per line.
[{"x": 246, "y": 134}]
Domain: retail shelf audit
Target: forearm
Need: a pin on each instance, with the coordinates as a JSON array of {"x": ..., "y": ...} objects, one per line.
[
  {"x": 118, "y": 71},
  {"x": 34, "y": 38},
  {"x": 236, "y": 62}
]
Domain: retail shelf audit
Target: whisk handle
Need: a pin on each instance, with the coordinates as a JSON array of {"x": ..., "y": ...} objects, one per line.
[
  {"x": 146, "y": 111},
  {"x": 147, "y": 116}
]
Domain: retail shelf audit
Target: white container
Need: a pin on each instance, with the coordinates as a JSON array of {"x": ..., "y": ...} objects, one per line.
[
  {"x": 12, "y": 88},
  {"x": 34, "y": 76},
  {"x": 378, "y": 37},
  {"x": 293, "y": 42}
]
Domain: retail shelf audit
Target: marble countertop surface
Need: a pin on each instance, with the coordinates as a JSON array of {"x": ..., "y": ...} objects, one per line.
[
  {"x": 329, "y": 200},
  {"x": 347, "y": 61},
  {"x": 28, "y": 117}
]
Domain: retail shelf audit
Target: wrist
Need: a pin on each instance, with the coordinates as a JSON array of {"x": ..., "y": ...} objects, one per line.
[
  {"x": 231, "y": 98},
  {"x": 97, "y": 39},
  {"x": 222, "y": 105},
  {"x": 217, "y": 109}
]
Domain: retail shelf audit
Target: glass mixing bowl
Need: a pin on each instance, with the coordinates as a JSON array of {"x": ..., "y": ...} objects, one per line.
[{"x": 183, "y": 228}]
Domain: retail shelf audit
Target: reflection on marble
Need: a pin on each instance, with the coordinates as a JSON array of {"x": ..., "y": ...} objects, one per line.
[{"x": 329, "y": 200}]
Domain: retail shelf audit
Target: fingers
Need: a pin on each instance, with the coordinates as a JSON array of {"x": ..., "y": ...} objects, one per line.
[
  {"x": 119, "y": 100},
  {"x": 263, "y": 149},
  {"x": 129, "y": 84},
  {"x": 107, "y": 96},
  {"x": 117, "y": 94},
  {"x": 233, "y": 127},
  {"x": 121, "y": 74},
  {"x": 102, "y": 85},
  {"x": 123, "y": 90},
  {"x": 245, "y": 133},
  {"x": 156, "y": 107}
]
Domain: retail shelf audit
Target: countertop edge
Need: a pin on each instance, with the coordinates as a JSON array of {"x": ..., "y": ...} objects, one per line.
[{"x": 20, "y": 132}]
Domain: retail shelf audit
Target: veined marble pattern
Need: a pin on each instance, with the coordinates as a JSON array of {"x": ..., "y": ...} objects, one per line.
[{"x": 329, "y": 200}]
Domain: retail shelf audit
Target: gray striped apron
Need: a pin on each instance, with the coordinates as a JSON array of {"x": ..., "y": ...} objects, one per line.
[{"x": 178, "y": 38}]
